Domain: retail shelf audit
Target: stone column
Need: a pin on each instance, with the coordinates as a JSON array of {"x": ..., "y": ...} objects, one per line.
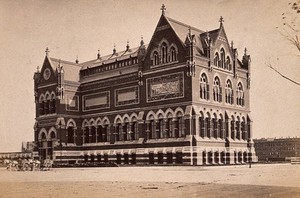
[
  {"x": 90, "y": 134},
  {"x": 175, "y": 127},
  {"x": 115, "y": 129},
  {"x": 165, "y": 128},
  {"x": 197, "y": 125},
  {"x": 74, "y": 136},
  {"x": 140, "y": 133},
  {"x": 148, "y": 129},
  {"x": 129, "y": 131},
  {"x": 162, "y": 128},
  {"x": 205, "y": 127},
  {"x": 188, "y": 126},
  {"x": 83, "y": 135},
  {"x": 96, "y": 130}
]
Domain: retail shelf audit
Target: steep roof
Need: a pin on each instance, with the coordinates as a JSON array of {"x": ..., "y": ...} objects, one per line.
[
  {"x": 122, "y": 55},
  {"x": 71, "y": 70},
  {"x": 182, "y": 29}
]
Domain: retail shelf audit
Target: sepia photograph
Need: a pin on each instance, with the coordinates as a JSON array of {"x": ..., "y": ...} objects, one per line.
[{"x": 141, "y": 98}]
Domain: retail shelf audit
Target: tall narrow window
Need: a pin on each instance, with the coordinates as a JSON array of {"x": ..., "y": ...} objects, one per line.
[
  {"x": 217, "y": 59},
  {"x": 222, "y": 62},
  {"x": 155, "y": 58},
  {"x": 204, "y": 87},
  {"x": 228, "y": 93},
  {"x": 71, "y": 134},
  {"x": 240, "y": 95},
  {"x": 217, "y": 90},
  {"x": 227, "y": 64},
  {"x": 164, "y": 53},
  {"x": 173, "y": 54}
]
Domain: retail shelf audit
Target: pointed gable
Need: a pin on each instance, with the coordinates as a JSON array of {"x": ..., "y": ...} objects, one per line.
[{"x": 48, "y": 72}]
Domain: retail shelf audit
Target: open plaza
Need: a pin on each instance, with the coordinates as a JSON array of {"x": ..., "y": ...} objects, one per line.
[{"x": 263, "y": 180}]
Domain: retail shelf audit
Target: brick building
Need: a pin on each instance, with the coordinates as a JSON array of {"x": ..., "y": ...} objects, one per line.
[
  {"x": 181, "y": 99},
  {"x": 277, "y": 149}
]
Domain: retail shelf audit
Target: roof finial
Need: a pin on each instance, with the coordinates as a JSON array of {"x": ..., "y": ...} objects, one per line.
[
  {"x": 77, "y": 61},
  {"x": 231, "y": 44},
  {"x": 98, "y": 55},
  {"x": 114, "y": 50},
  {"x": 221, "y": 21},
  {"x": 47, "y": 51},
  {"x": 245, "y": 51},
  {"x": 38, "y": 69},
  {"x": 127, "y": 46},
  {"x": 142, "y": 41},
  {"x": 190, "y": 31},
  {"x": 163, "y": 9}
]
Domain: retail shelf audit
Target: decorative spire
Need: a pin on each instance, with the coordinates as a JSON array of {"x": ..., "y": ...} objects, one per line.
[
  {"x": 221, "y": 21},
  {"x": 38, "y": 69},
  {"x": 231, "y": 44},
  {"x": 114, "y": 50},
  {"x": 190, "y": 31},
  {"x": 98, "y": 55},
  {"x": 142, "y": 41},
  {"x": 77, "y": 61},
  {"x": 127, "y": 46},
  {"x": 47, "y": 51},
  {"x": 163, "y": 9},
  {"x": 245, "y": 51},
  {"x": 59, "y": 67}
]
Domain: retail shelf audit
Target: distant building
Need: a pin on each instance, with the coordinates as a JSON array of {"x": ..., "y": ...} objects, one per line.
[
  {"x": 182, "y": 99},
  {"x": 277, "y": 149},
  {"x": 27, "y": 146}
]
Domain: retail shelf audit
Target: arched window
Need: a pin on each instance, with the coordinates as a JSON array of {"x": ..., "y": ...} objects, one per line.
[
  {"x": 173, "y": 54},
  {"x": 41, "y": 105},
  {"x": 44, "y": 136},
  {"x": 93, "y": 134},
  {"x": 71, "y": 134},
  {"x": 202, "y": 125},
  {"x": 228, "y": 93},
  {"x": 217, "y": 59},
  {"x": 204, "y": 87},
  {"x": 164, "y": 53},
  {"x": 208, "y": 126},
  {"x": 52, "y": 135},
  {"x": 169, "y": 126},
  {"x": 155, "y": 58},
  {"x": 238, "y": 128},
  {"x": 52, "y": 104},
  {"x": 86, "y": 132},
  {"x": 240, "y": 95},
  {"x": 217, "y": 90},
  {"x": 227, "y": 64},
  {"x": 222, "y": 58},
  {"x": 215, "y": 126}
]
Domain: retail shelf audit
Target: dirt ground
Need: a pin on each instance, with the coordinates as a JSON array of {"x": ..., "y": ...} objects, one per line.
[{"x": 276, "y": 180}]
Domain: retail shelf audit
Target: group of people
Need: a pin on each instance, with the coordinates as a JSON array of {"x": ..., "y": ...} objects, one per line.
[{"x": 29, "y": 164}]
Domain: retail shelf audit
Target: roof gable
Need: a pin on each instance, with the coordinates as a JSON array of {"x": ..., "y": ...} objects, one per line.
[{"x": 48, "y": 73}]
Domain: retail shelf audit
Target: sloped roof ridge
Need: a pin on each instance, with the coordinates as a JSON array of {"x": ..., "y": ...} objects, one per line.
[
  {"x": 184, "y": 24},
  {"x": 64, "y": 61}
]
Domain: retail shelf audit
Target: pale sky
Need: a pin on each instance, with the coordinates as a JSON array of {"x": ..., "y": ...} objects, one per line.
[{"x": 74, "y": 27}]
